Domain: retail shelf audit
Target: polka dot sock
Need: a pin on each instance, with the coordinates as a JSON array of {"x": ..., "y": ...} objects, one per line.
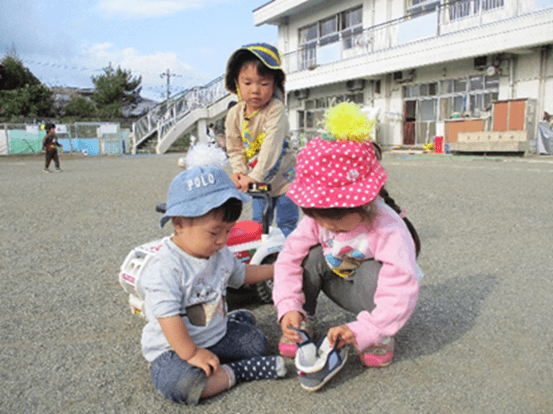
[{"x": 257, "y": 368}]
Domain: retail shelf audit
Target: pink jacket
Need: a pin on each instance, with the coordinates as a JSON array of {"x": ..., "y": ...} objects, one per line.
[{"x": 387, "y": 240}]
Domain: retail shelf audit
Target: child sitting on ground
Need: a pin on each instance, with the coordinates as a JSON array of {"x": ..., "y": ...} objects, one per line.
[
  {"x": 258, "y": 132},
  {"x": 189, "y": 334},
  {"x": 351, "y": 245}
]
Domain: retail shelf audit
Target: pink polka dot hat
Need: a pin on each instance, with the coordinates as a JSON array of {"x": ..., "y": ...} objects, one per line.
[{"x": 339, "y": 168}]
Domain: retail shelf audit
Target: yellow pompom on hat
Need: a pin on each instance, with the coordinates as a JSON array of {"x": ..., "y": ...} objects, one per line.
[
  {"x": 346, "y": 122},
  {"x": 339, "y": 168}
]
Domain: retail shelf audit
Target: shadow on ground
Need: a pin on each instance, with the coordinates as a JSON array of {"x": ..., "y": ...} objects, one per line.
[{"x": 445, "y": 312}]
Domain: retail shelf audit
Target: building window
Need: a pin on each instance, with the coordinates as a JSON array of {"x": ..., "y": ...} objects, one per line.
[
  {"x": 311, "y": 118},
  {"x": 342, "y": 26},
  {"x": 472, "y": 95},
  {"x": 415, "y": 7},
  {"x": 351, "y": 26},
  {"x": 464, "y": 8},
  {"x": 428, "y": 103}
]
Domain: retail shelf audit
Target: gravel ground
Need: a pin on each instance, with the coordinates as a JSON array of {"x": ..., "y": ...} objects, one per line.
[{"x": 480, "y": 339}]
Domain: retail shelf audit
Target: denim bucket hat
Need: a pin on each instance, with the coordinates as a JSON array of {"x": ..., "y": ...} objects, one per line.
[
  {"x": 267, "y": 53},
  {"x": 197, "y": 191}
]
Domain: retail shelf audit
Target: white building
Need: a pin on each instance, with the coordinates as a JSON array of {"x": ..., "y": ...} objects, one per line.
[{"x": 420, "y": 62}]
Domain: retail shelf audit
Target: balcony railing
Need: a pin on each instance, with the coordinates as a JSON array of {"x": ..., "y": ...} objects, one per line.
[{"x": 421, "y": 23}]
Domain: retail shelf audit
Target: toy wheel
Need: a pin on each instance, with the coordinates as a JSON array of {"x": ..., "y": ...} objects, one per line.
[{"x": 264, "y": 289}]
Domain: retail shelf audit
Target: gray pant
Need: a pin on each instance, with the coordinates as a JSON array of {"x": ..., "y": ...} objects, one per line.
[{"x": 355, "y": 295}]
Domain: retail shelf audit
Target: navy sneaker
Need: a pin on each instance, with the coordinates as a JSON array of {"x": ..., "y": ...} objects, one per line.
[{"x": 317, "y": 364}]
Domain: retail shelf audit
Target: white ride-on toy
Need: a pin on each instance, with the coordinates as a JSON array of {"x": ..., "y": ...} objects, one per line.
[{"x": 251, "y": 242}]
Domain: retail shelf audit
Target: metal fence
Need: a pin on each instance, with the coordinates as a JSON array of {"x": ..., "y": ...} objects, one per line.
[{"x": 89, "y": 138}]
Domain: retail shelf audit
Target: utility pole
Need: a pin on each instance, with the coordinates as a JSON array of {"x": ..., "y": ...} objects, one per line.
[{"x": 169, "y": 74}]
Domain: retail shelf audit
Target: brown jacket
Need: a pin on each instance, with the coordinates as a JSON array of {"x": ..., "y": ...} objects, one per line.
[
  {"x": 275, "y": 162},
  {"x": 50, "y": 143}
]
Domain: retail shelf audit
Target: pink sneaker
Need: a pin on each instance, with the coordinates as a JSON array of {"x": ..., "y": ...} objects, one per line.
[
  {"x": 378, "y": 355},
  {"x": 287, "y": 348}
]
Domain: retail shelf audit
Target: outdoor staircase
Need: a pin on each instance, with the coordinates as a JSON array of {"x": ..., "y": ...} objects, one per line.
[
  {"x": 148, "y": 146},
  {"x": 189, "y": 112}
]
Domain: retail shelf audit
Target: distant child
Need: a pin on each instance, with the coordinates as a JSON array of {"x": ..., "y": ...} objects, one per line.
[
  {"x": 351, "y": 244},
  {"x": 195, "y": 348},
  {"x": 258, "y": 132},
  {"x": 50, "y": 146}
]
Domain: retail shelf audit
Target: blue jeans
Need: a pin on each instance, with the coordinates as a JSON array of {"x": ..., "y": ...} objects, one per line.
[
  {"x": 181, "y": 382},
  {"x": 287, "y": 213}
]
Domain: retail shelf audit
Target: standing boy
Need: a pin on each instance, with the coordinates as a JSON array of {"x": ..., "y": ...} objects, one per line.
[{"x": 50, "y": 146}]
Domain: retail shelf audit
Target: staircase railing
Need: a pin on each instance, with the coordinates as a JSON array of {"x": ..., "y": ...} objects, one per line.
[{"x": 161, "y": 118}]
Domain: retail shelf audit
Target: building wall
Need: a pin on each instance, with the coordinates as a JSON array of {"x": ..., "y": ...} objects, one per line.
[
  {"x": 522, "y": 82},
  {"x": 522, "y": 72}
]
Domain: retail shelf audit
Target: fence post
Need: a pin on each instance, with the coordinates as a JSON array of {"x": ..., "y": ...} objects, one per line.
[{"x": 7, "y": 138}]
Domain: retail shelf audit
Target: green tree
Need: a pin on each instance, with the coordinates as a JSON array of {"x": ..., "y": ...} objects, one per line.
[
  {"x": 80, "y": 107},
  {"x": 16, "y": 75},
  {"x": 114, "y": 89},
  {"x": 30, "y": 101},
  {"x": 22, "y": 94}
]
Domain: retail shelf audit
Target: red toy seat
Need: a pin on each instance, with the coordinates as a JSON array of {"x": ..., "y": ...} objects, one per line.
[{"x": 244, "y": 232}]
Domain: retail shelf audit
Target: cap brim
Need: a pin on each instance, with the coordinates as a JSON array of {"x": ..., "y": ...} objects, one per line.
[{"x": 194, "y": 208}]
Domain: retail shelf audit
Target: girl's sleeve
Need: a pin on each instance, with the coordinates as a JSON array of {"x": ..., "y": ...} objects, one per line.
[
  {"x": 288, "y": 278},
  {"x": 397, "y": 288},
  {"x": 235, "y": 148},
  {"x": 276, "y": 128}
]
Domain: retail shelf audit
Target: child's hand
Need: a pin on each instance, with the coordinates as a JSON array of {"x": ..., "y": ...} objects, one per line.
[
  {"x": 293, "y": 319},
  {"x": 342, "y": 334},
  {"x": 205, "y": 360},
  {"x": 235, "y": 177},
  {"x": 244, "y": 182}
]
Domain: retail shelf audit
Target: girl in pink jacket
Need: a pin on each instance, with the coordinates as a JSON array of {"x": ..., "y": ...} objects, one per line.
[{"x": 352, "y": 244}]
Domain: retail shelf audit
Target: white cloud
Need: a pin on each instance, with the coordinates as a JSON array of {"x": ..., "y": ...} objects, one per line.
[
  {"x": 149, "y": 8},
  {"x": 149, "y": 66}
]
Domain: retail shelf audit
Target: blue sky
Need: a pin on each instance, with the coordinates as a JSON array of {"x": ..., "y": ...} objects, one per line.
[{"x": 65, "y": 42}]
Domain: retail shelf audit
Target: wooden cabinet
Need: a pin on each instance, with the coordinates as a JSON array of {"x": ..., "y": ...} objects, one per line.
[
  {"x": 452, "y": 127},
  {"x": 515, "y": 115}
]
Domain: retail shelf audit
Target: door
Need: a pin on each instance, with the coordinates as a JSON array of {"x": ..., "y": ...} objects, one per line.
[{"x": 409, "y": 113}]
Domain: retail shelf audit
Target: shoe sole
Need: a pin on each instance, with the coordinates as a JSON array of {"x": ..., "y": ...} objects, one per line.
[
  {"x": 328, "y": 378},
  {"x": 382, "y": 365}
]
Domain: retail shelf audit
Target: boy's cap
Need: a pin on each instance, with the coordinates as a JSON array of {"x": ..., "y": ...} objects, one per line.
[
  {"x": 199, "y": 190},
  {"x": 268, "y": 54},
  {"x": 343, "y": 174}
]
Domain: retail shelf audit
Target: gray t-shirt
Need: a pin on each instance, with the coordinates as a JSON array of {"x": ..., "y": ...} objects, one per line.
[{"x": 175, "y": 283}]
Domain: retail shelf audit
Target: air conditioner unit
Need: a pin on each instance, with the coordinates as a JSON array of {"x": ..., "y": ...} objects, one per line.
[
  {"x": 301, "y": 93},
  {"x": 480, "y": 62},
  {"x": 355, "y": 85}
]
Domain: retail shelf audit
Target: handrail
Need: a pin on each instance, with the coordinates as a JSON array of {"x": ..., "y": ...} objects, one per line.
[{"x": 166, "y": 114}]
